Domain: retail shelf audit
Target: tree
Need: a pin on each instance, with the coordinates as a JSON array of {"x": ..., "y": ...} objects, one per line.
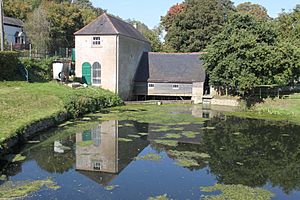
[
  {"x": 248, "y": 53},
  {"x": 17, "y": 9},
  {"x": 167, "y": 20},
  {"x": 288, "y": 26},
  {"x": 193, "y": 27},
  {"x": 151, "y": 34},
  {"x": 83, "y": 3},
  {"x": 37, "y": 28},
  {"x": 253, "y": 9}
]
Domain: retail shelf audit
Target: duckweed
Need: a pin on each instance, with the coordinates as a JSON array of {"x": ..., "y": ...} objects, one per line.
[
  {"x": 190, "y": 134},
  {"x": 21, "y": 189},
  {"x": 150, "y": 156},
  {"x": 184, "y": 162},
  {"x": 134, "y": 136},
  {"x": 161, "y": 197},
  {"x": 18, "y": 158},
  {"x": 171, "y": 143},
  {"x": 85, "y": 143},
  {"x": 111, "y": 187},
  {"x": 188, "y": 154},
  {"x": 124, "y": 140},
  {"x": 237, "y": 192},
  {"x": 172, "y": 136}
]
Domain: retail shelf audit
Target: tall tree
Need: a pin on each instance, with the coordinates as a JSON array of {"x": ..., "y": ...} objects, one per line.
[
  {"x": 37, "y": 28},
  {"x": 193, "y": 27},
  {"x": 167, "y": 20},
  {"x": 248, "y": 53},
  {"x": 151, "y": 34},
  {"x": 253, "y": 9},
  {"x": 288, "y": 25},
  {"x": 16, "y": 8}
]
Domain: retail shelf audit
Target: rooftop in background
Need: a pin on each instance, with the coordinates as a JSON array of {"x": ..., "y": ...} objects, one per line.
[
  {"x": 109, "y": 25},
  {"x": 170, "y": 67},
  {"x": 12, "y": 21}
]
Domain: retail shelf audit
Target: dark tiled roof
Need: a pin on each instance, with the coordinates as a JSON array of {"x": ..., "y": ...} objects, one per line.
[
  {"x": 109, "y": 25},
  {"x": 12, "y": 21},
  {"x": 170, "y": 67}
]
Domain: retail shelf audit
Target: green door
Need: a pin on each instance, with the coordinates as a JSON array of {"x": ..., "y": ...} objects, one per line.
[{"x": 86, "y": 73}]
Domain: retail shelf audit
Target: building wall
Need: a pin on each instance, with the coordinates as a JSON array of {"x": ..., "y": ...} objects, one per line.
[
  {"x": 10, "y": 32},
  {"x": 105, "y": 54},
  {"x": 164, "y": 89},
  {"x": 105, "y": 153},
  {"x": 130, "y": 53},
  {"x": 197, "y": 92}
]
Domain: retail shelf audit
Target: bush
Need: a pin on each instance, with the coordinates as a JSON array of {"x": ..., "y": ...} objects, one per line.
[
  {"x": 40, "y": 70},
  {"x": 9, "y": 65}
]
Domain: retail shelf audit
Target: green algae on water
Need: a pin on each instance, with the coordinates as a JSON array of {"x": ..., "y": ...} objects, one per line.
[
  {"x": 236, "y": 192},
  {"x": 21, "y": 189},
  {"x": 111, "y": 187},
  {"x": 184, "y": 162},
  {"x": 134, "y": 136},
  {"x": 188, "y": 154},
  {"x": 172, "y": 136},
  {"x": 171, "y": 143},
  {"x": 124, "y": 140},
  {"x": 18, "y": 158},
  {"x": 85, "y": 143},
  {"x": 208, "y": 128},
  {"x": 150, "y": 156},
  {"x": 143, "y": 134},
  {"x": 190, "y": 134},
  {"x": 160, "y": 197}
]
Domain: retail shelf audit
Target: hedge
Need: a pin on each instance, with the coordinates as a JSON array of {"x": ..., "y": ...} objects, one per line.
[{"x": 9, "y": 65}]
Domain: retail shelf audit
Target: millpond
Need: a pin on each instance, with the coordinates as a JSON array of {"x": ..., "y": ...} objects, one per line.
[{"x": 157, "y": 152}]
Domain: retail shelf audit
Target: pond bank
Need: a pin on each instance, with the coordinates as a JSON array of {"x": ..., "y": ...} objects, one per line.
[{"x": 26, "y": 109}]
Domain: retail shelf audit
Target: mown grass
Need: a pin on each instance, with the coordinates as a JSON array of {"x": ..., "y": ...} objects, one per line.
[
  {"x": 22, "y": 103},
  {"x": 275, "y": 109}
]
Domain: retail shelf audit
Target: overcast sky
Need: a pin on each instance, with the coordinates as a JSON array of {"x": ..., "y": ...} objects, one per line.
[{"x": 150, "y": 12}]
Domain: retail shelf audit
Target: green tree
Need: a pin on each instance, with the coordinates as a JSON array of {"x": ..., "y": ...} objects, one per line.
[
  {"x": 247, "y": 53},
  {"x": 192, "y": 28},
  {"x": 153, "y": 35},
  {"x": 253, "y": 9},
  {"x": 288, "y": 25},
  {"x": 37, "y": 28},
  {"x": 16, "y": 8}
]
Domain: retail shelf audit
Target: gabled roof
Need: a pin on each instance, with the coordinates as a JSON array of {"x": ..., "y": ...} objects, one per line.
[
  {"x": 13, "y": 21},
  {"x": 108, "y": 25},
  {"x": 170, "y": 68}
]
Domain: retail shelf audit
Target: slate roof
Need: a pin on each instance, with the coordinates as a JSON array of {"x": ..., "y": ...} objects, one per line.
[
  {"x": 13, "y": 21},
  {"x": 170, "y": 68},
  {"x": 108, "y": 25}
]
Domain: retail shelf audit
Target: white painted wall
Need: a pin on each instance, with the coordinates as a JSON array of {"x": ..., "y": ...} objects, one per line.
[{"x": 105, "y": 54}]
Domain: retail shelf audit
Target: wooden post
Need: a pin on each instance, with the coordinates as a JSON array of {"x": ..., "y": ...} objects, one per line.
[{"x": 1, "y": 26}]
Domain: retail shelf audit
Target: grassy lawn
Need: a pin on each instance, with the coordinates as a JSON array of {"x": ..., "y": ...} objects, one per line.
[
  {"x": 22, "y": 103},
  {"x": 276, "y": 109}
]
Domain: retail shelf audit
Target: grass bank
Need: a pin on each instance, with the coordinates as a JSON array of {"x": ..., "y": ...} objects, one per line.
[
  {"x": 22, "y": 104},
  {"x": 287, "y": 109}
]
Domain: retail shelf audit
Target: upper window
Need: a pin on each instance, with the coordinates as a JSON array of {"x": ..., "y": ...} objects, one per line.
[
  {"x": 96, "y": 41},
  {"x": 175, "y": 86}
]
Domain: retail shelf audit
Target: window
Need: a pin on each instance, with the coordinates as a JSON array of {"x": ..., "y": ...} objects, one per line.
[
  {"x": 96, "y": 73},
  {"x": 96, "y": 41},
  {"x": 151, "y": 85},
  {"x": 97, "y": 165},
  {"x": 175, "y": 86}
]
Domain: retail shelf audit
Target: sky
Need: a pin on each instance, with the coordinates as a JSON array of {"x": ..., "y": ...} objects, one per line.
[{"x": 149, "y": 12}]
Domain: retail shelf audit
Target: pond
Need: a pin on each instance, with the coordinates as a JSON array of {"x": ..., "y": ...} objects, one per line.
[{"x": 157, "y": 152}]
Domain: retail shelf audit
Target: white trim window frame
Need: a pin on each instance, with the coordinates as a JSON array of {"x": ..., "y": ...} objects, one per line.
[
  {"x": 96, "y": 41},
  {"x": 175, "y": 86}
]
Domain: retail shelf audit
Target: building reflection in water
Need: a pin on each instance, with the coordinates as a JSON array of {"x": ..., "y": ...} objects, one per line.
[{"x": 99, "y": 154}]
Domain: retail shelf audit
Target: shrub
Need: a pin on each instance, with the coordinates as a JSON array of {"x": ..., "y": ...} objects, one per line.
[
  {"x": 40, "y": 70},
  {"x": 8, "y": 65}
]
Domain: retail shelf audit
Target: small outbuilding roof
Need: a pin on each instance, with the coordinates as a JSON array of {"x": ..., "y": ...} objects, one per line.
[
  {"x": 108, "y": 25},
  {"x": 13, "y": 21},
  {"x": 170, "y": 68}
]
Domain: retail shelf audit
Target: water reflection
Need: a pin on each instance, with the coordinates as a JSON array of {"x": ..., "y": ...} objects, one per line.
[{"x": 99, "y": 154}]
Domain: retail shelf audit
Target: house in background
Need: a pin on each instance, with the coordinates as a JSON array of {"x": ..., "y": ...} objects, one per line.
[
  {"x": 14, "y": 34},
  {"x": 112, "y": 54},
  {"x": 170, "y": 75}
]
